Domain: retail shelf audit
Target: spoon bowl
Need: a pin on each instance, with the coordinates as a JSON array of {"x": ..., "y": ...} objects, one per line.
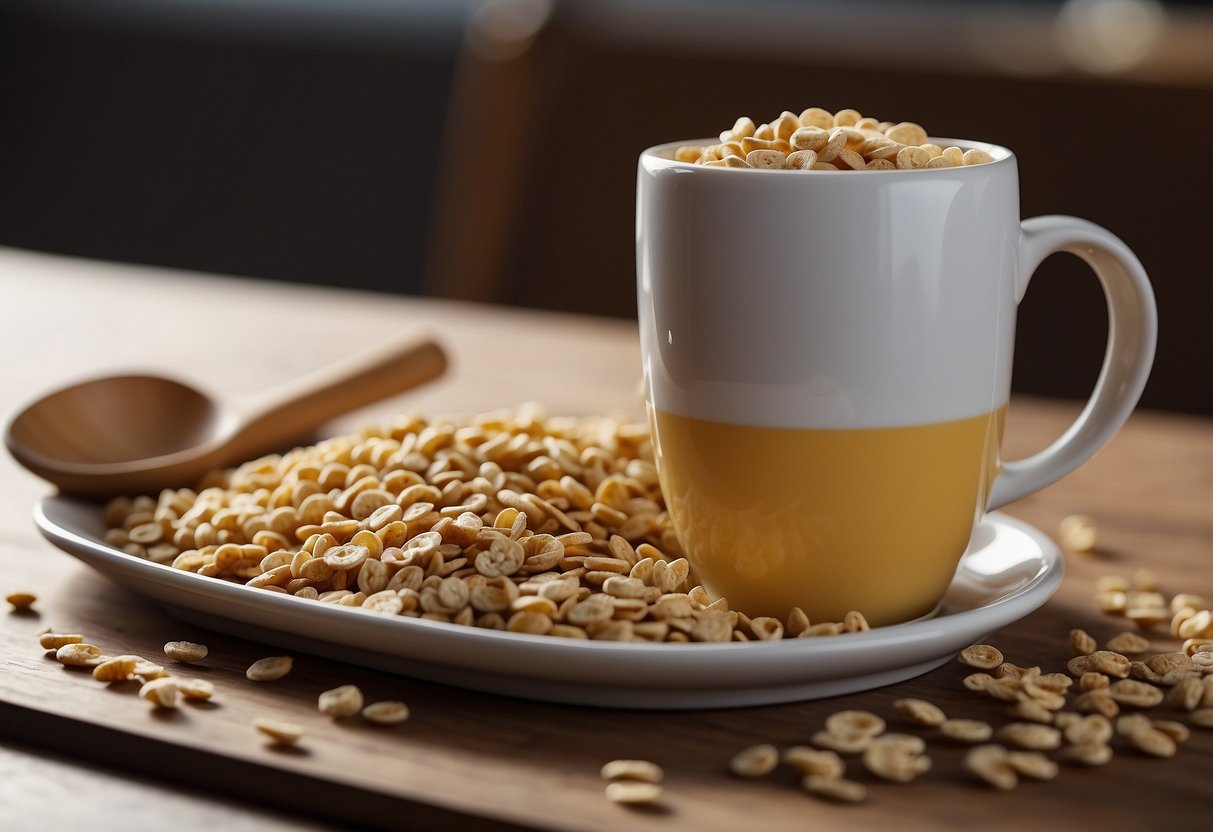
[{"x": 139, "y": 433}]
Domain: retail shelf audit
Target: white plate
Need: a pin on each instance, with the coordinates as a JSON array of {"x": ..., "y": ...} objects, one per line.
[{"x": 1010, "y": 570}]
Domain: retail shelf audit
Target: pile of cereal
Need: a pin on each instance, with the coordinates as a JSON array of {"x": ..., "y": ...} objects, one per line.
[
  {"x": 820, "y": 140},
  {"x": 509, "y": 521}
]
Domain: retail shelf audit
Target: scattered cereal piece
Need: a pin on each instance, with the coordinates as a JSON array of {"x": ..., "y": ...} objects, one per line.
[
  {"x": 1187, "y": 601},
  {"x": 1202, "y": 718},
  {"x": 1030, "y": 735},
  {"x": 342, "y": 701},
  {"x": 77, "y": 654},
  {"x": 1145, "y": 580},
  {"x": 633, "y": 792},
  {"x": 991, "y": 764},
  {"x": 982, "y": 656},
  {"x": 639, "y": 770},
  {"x": 1164, "y": 663},
  {"x": 1153, "y": 742},
  {"x": 977, "y": 681},
  {"x": 1096, "y": 702},
  {"x": 1031, "y": 711},
  {"x": 1111, "y": 583},
  {"x": 1088, "y": 753},
  {"x": 162, "y": 692},
  {"x": 1077, "y": 533},
  {"x": 21, "y": 600},
  {"x": 896, "y": 757},
  {"x": 117, "y": 669},
  {"x": 1091, "y": 729},
  {"x": 1082, "y": 643},
  {"x": 1111, "y": 602},
  {"x": 196, "y": 689},
  {"x": 149, "y": 670},
  {"x": 920, "y": 711},
  {"x": 1175, "y": 730},
  {"x": 387, "y": 712},
  {"x": 1128, "y": 643},
  {"x": 185, "y": 651},
  {"x": 808, "y": 761},
  {"x": 1032, "y": 764},
  {"x": 53, "y": 641},
  {"x": 852, "y": 722},
  {"x": 284, "y": 733},
  {"x": 841, "y": 743},
  {"x": 755, "y": 761},
  {"x": 1109, "y": 663},
  {"x": 269, "y": 669},
  {"x": 1135, "y": 694},
  {"x": 966, "y": 730}
]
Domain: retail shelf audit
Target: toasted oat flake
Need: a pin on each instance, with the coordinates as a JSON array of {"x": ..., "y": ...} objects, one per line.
[
  {"x": 198, "y": 690},
  {"x": 53, "y": 641},
  {"x": 1087, "y": 753},
  {"x": 983, "y": 656},
  {"x": 1082, "y": 643},
  {"x": 991, "y": 764},
  {"x": 977, "y": 681},
  {"x": 807, "y": 760},
  {"x": 387, "y": 712},
  {"x": 1078, "y": 533},
  {"x": 269, "y": 669},
  {"x": 1202, "y": 718},
  {"x": 284, "y": 733},
  {"x": 1097, "y": 702},
  {"x": 1091, "y": 729},
  {"x": 855, "y": 722},
  {"x": 896, "y": 757},
  {"x": 77, "y": 654},
  {"x": 1109, "y": 663},
  {"x": 966, "y": 730},
  {"x": 920, "y": 711},
  {"x": 1153, "y": 742},
  {"x": 755, "y": 761},
  {"x": 841, "y": 743},
  {"x": 21, "y": 600},
  {"x": 1029, "y": 735},
  {"x": 185, "y": 651},
  {"x": 1135, "y": 694},
  {"x": 117, "y": 669},
  {"x": 1031, "y": 711},
  {"x": 639, "y": 770},
  {"x": 162, "y": 692},
  {"x": 342, "y": 701},
  {"x": 1128, "y": 643},
  {"x": 1175, "y": 730},
  {"x": 1032, "y": 764},
  {"x": 1186, "y": 695},
  {"x": 633, "y": 792}
]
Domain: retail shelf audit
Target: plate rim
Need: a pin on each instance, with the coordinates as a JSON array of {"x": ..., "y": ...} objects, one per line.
[{"x": 722, "y": 667}]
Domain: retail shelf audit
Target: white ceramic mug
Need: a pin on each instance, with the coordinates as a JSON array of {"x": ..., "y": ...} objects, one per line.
[{"x": 827, "y": 356}]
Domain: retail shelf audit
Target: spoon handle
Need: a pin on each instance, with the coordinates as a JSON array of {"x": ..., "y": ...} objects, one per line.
[{"x": 297, "y": 407}]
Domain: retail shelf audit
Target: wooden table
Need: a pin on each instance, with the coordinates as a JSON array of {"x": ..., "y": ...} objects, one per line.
[{"x": 466, "y": 760}]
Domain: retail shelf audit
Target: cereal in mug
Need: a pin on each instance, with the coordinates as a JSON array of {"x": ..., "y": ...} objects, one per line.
[{"x": 820, "y": 140}]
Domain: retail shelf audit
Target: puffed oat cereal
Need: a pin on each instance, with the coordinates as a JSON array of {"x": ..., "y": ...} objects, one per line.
[{"x": 818, "y": 140}]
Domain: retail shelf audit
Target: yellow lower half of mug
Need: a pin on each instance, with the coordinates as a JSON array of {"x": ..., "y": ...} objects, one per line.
[{"x": 829, "y": 520}]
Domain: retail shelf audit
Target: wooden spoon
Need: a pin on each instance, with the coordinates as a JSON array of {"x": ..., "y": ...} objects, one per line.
[{"x": 136, "y": 434}]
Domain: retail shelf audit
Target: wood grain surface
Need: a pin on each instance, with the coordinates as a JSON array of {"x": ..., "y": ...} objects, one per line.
[{"x": 467, "y": 760}]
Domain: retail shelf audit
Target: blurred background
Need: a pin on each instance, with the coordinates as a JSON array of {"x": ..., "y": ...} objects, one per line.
[{"x": 486, "y": 149}]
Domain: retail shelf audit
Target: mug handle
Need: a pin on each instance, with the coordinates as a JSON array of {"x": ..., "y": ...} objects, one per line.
[{"x": 1132, "y": 332}]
